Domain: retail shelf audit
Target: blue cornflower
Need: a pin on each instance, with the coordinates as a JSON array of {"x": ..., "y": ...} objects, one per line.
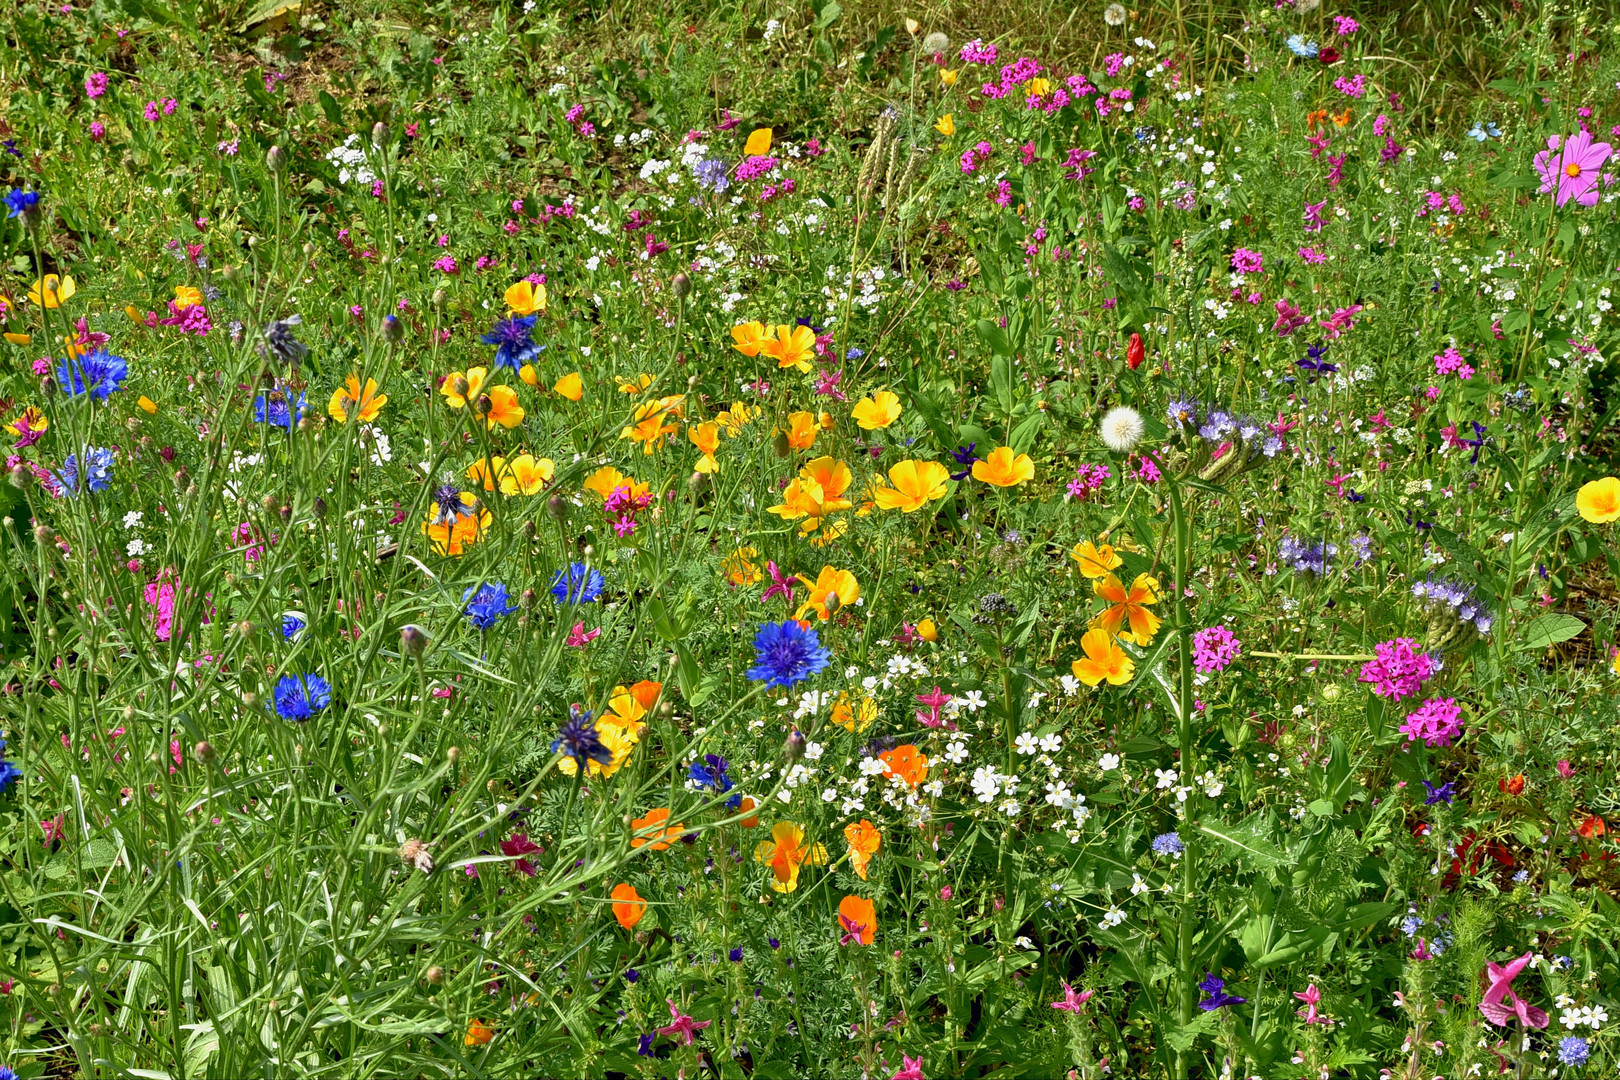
[
  {"x": 713, "y": 774},
  {"x": 579, "y": 740},
  {"x": 711, "y": 173},
  {"x": 20, "y": 202},
  {"x": 631, "y": 975},
  {"x": 98, "y": 374},
  {"x": 1440, "y": 794},
  {"x": 514, "y": 346},
  {"x": 486, "y": 604},
  {"x": 1218, "y": 997},
  {"x": 1572, "y": 1050},
  {"x": 579, "y": 584},
  {"x": 1305, "y": 50},
  {"x": 9, "y": 773},
  {"x": 6, "y": 1073},
  {"x": 98, "y": 470},
  {"x": 965, "y": 457},
  {"x": 787, "y": 653},
  {"x": 1168, "y": 844},
  {"x": 299, "y": 697},
  {"x": 854, "y": 353},
  {"x": 292, "y": 625},
  {"x": 272, "y": 407}
]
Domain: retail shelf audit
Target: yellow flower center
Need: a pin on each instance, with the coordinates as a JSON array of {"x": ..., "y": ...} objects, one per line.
[{"x": 1572, "y": 169}]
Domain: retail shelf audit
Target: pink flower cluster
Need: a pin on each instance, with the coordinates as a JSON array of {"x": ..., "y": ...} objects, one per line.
[
  {"x": 1245, "y": 261},
  {"x": 167, "y": 106},
  {"x": 1436, "y": 722},
  {"x": 976, "y": 155},
  {"x": 188, "y": 320},
  {"x": 1214, "y": 647},
  {"x": 977, "y": 52},
  {"x": 446, "y": 264},
  {"x": 1451, "y": 362},
  {"x": 95, "y": 84},
  {"x": 1088, "y": 480},
  {"x": 754, "y": 167},
  {"x": 1398, "y": 670},
  {"x": 1434, "y": 200},
  {"x": 1074, "y": 167},
  {"x": 625, "y": 505},
  {"x": 1351, "y": 87}
]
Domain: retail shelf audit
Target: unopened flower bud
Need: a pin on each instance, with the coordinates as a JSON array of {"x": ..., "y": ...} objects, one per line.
[
  {"x": 557, "y": 508},
  {"x": 529, "y": 530},
  {"x": 697, "y": 483},
  {"x": 319, "y": 508},
  {"x": 528, "y": 599},
  {"x": 379, "y": 134},
  {"x": 47, "y": 385},
  {"x": 483, "y": 405},
  {"x": 204, "y": 752},
  {"x": 1330, "y": 693},
  {"x": 682, "y": 285},
  {"x": 43, "y": 534},
  {"x": 245, "y": 628},
  {"x": 438, "y": 298},
  {"x": 434, "y": 975},
  {"x": 832, "y": 603},
  {"x": 461, "y": 386},
  {"x": 392, "y": 329},
  {"x": 275, "y": 159},
  {"x": 793, "y": 749},
  {"x": 453, "y": 754},
  {"x": 779, "y": 445},
  {"x": 20, "y": 476},
  {"x": 413, "y": 642}
]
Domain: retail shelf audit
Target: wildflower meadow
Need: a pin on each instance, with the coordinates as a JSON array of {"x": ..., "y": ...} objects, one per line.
[{"x": 990, "y": 540}]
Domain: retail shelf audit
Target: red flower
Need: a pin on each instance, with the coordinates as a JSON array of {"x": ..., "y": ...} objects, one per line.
[{"x": 1135, "y": 352}]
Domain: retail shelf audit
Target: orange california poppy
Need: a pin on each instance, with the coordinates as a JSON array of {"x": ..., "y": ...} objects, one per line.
[
  {"x": 478, "y": 1033},
  {"x": 758, "y": 144},
  {"x": 1593, "y": 827},
  {"x": 706, "y": 437},
  {"x": 1314, "y": 119},
  {"x": 1095, "y": 561},
  {"x": 651, "y": 422},
  {"x": 629, "y": 704},
  {"x": 1003, "y": 468},
  {"x": 458, "y": 398},
  {"x": 740, "y": 568},
  {"x": 1512, "y": 786},
  {"x": 816, "y": 492},
  {"x": 526, "y": 298},
  {"x": 831, "y": 581},
  {"x": 864, "y": 839},
  {"x": 858, "y": 920},
  {"x": 1343, "y": 118},
  {"x": 628, "y": 906},
  {"x": 802, "y": 430},
  {"x": 570, "y": 386},
  {"x": 454, "y": 537},
  {"x": 792, "y": 347},
  {"x": 785, "y": 852},
  {"x": 647, "y": 830},
  {"x": 1104, "y": 659},
  {"x": 365, "y": 402},
  {"x": 748, "y": 338},
  {"x": 748, "y": 806},
  {"x": 606, "y": 480},
  {"x": 878, "y": 411},
  {"x": 854, "y": 713},
  {"x": 915, "y": 483},
  {"x": 906, "y": 762},
  {"x": 1128, "y": 608}
]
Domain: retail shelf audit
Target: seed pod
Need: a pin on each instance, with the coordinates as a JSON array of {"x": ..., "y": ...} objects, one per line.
[
  {"x": 779, "y": 445},
  {"x": 832, "y": 603},
  {"x": 204, "y": 752},
  {"x": 557, "y": 507}
]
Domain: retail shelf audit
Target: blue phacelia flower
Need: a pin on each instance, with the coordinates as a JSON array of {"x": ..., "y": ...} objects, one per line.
[
  {"x": 787, "y": 653},
  {"x": 514, "y": 346},
  {"x": 579, "y": 584},
  {"x": 1168, "y": 844},
  {"x": 98, "y": 374},
  {"x": 486, "y": 605},
  {"x": 299, "y": 697}
]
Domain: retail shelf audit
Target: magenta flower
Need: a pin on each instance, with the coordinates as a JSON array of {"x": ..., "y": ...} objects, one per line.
[
  {"x": 1573, "y": 173},
  {"x": 1214, "y": 648},
  {"x": 1072, "y": 1001},
  {"x": 781, "y": 584},
  {"x": 1311, "y": 997},
  {"x": 1436, "y": 722},
  {"x": 1500, "y": 1004},
  {"x": 683, "y": 1027},
  {"x": 911, "y": 1069}
]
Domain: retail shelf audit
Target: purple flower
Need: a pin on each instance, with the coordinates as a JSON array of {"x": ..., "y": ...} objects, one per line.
[
  {"x": 1573, "y": 173},
  {"x": 1218, "y": 997},
  {"x": 1436, "y": 722}
]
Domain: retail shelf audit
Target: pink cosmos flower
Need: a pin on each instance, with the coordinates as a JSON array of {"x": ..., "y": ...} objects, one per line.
[{"x": 1573, "y": 173}]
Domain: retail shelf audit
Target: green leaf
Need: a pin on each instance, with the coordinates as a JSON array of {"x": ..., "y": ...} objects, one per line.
[
  {"x": 1297, "y": 945},
  {"x": 1262, "y": 852},
  {"x": 1181, "y": 1037},
  {"x": 1549, "y": 629},
  {"x": 333, "y": 111},
  {"x": 994, "y": 337}
]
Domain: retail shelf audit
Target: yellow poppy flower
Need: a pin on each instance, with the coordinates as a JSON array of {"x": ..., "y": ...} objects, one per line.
[
  {"x": 947, "y": 76},
  {"x": 529, "y": 376},
  {"x": 186, "y": 296},
  {"x": 1128, "y": 616},
  {"x": 802, "y": 430},
  {"x": 571, "y": 386},
  {"x": 749, "y": 338},
  {"x": 52, "y": 291},
  {"x": 458, "y": 398},
  {"x": 792, "y": 347},
  {"x": 878, "y": 411},
  {"x": 526, "y": 299},
  {"x": 1104, "y": 659},
  {"x": 147, "y": 405},
  {"x": 739, "y": 568},
  {"x": 486, "y": 473},
  {"x": 365, "y": 402},
  {"x": 736, "y": 418},
  {"x": 1095, "y": 562},
  {"x": 619, "y": 742},
  {"x": 758, "y": 144},
  {"x": 830, "y": 582},
  {"x": 28, "y": 421},
  {"x": 1599, "y": 501},
  {"x": 927, "y": 630},
  {"x": 946, "y": 125},
  {"x": 1003, "y": 468},
  {"x": 706, "y": 437},
  {"x": 606, "y": 480},
  {"x": 854, "y": 712},
  {"x": 18, "y": 339},
  {"x": 915, "y": 483},
  {"x": 527, "y": 475},
  {"x": 649, "y": 424},
  {"x": 503, "y": 408},
  {"x": 452, "y": 538}
]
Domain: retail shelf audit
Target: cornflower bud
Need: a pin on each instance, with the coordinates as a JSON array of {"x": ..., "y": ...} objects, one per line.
[
  {"x": 413, "y": 642},
  {"x": 557, "y": 508},
  {"x": 204, "y": 752},
  {"x": 379, "y": 134},
  {"x": 793, "y": 750},
  {"x": 434, "y": 975},
  {"x": 682, "y": 285},
  {"x": 461, "y": 386},
  {"x": 392, "y": 329},
  {"x": 275, "y": 159},
  {"x": 832, "y": 603},
  {"x": 20, "y": 476}
]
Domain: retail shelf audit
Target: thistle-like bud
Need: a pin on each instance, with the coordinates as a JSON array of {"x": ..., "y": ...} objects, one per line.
[
  {"x": 682, "y": 285},
  {"x": 434, "y": 975},
  {"x": 413, "y": 642},
  {"x": 379, "y": 134},
  {"x": 20, "y": 476},
  {"x": 482, "y": 406},
  {"x": 697, "y": 483},
  {"x": 461, "y": 386},
  {"x": 438, "y": 298},
  {"x": 530, "y": 531},
  {"x": 275, "y": 159},
  {"x": 832, "y": 603},
  {"x": 47, "y": 385},
  {"x": 557, "y": 507},
  {"x": 319, "y": 509},
  {"x": 44, "y": 534},
  {"x": 204, "y": 752},
  {"x": 528, "y": 599},
  {"x": 453, "y": 754},
  {"x": 793, "y": 749}
]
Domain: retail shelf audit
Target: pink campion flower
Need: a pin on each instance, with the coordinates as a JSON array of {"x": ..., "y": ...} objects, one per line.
[
  {"x": 781, "y": 584},
  {"x": 1027, "y": 154},
  {"x": 1565, "y": 769},
  {"x": 1397, "y": 670},
  {"x": 1345, "y": 26},
  {"x": 1573, "y": 172},
  {"x": 827, "y": 385},
  {"x": 1500, "y": 1004},
  {"x": 1436, "y": 722},
  {"x": 1335, "y": 171},
  {"x": 910, "y": 1069},
  {"x": 95, "y": 84},
  {"x": 1245, "y": 261},
  {"x": 446, "y": 264},
  {"x": 1003, "y": 195},
  {"x": 98, "y": 130},
  {"x": 151, "y": 112},
  {"x": 1311, "y": 997},
  {"x": 1355, "y": 87},
  {"x": 977, "y": 52},
  {"x": 520, "y": 845},
  {"x": 682, "y": 1028},
  {"x": 1072, "y": 1002},
  {"x": 1451, "y": 362},
  {"x": 1311, "y": 257}
]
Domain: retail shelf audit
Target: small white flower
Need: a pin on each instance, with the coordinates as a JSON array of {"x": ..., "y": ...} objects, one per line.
[
  {"x": 1112, "y": 917},
  {"x": 1166, "y": 777},
  {"x": 1010, "y": 807},
  {"x": 955, "y": 752},
  {"x": 1108, "y": 762},
  {"x": 1051, "y": 743},
  {"x": 132, "y": 520},
  {"x": 973, "y": 701},
  {"x": 1121, "y": 429},
  {"x": 1070, "y": 684},
  {"x": 1138, "y": 886},
  {"x": 1026, "y": 743}
]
